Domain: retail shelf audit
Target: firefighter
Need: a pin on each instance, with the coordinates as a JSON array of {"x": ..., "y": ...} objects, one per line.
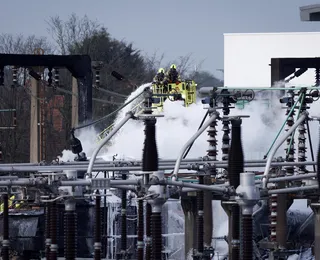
[
  {"x": 172, "y": 75},
  {"x": 159, "y": 78}
]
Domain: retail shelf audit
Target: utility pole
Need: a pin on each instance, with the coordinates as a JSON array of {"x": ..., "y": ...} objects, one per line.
[
  {"x": 34, "y": 120},
  {"x": 37, "y": 115}
]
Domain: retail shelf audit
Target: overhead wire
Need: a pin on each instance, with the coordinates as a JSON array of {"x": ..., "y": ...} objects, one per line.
[
  {"x": 111, "y": 92},
  {"x": 110, "y": 114},
  {"x": 95, "y": 99}
]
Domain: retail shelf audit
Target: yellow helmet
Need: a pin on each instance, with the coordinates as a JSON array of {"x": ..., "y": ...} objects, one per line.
[
  {"x": 173, "y": 66},
  {"x": 161, "y": 70}
]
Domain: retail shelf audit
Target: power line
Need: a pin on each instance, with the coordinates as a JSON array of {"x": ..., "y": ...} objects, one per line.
[
  {"x": 111, "y": 92},
  {"x": 111, "y": 114}
]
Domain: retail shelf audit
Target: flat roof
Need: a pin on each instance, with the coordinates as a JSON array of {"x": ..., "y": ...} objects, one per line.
[{"x": 310, "y": 13}]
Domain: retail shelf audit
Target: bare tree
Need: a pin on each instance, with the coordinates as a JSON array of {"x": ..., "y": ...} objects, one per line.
[
  {"x": 23, "y": 45},
  {"x": 68, "y": 33},
  {"x": 15, "y": 98}
]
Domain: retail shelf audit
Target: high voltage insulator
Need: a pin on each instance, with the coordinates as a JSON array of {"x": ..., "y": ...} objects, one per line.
[
  {"x": 97, "y": 76},
  {"x": 47, "y": 229},
  {"x": 200, "y": 227},
  {"x": 54, "y": 230},
  {"x": 273, "y": 206},
  {"x": 56, "y": 77},
  {"x": 235, "y": 167},
  {"x": 302, "y": 137},
  {"x": 14, "y": 75},
  {"x": 97, "y": 228},
  {"x": 50, "y": 76},
  {"x": 226, "y": 102},
  {"x": 70, "y": 228},
  {"x": 290, "y": 141},
  {"x": 247, "y": 240}
]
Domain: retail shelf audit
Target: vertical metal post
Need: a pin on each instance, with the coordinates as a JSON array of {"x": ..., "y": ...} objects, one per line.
[
  {"x": 75, "y": 103},
  {"x": 34, "y": 121},
  {"x": 5, "y": 242}
]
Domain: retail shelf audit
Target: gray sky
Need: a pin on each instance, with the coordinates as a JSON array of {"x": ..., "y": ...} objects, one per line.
[{"x": 172, "y": 27}]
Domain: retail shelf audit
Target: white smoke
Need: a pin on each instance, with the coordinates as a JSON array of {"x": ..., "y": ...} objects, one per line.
[
  {"x": 180, "y": 123},
  {"x": 88, "y": 137}
]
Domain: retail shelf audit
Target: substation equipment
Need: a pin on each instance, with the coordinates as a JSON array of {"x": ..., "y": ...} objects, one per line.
[{"x": 232, "y": 180}]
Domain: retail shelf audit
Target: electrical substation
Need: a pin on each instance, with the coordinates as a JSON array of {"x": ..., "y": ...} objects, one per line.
[{"x": 58, "y": 209}]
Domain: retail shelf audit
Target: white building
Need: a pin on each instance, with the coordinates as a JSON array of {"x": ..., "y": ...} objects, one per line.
[{"x": 247, "y": 56}]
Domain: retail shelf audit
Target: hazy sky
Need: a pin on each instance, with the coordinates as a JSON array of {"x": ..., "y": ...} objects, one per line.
[{"x": 173, "y": 27}]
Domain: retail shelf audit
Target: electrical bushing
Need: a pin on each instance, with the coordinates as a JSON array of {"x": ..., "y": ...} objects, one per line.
[
  {"x": 247, "y": 196},
  {"x": 247, "y": 193}
]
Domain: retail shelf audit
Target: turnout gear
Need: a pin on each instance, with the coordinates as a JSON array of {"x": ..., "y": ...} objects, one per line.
[
  {"x": 159, "y": 77},
  {"x": 173, "y": 76}
]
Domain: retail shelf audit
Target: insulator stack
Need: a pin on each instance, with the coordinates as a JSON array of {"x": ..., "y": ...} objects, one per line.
[
  {"x": 225, "y": 126},
  {"x": 97, "y": 78},
  {"x": 290, "y": 143},
  {"x": 235, "y": 167},
  {"x": 47, "y": 230},
  {"x": 56, "y": 77},
  {"x": 70, "y": 237},
  {"x": 156, "y": 235},
  {"x": 14, "y": 76},
  {"x": 302, "y": 141},
  {"x": 212, "y": 140},
  {"x": 200, "y": 202},
  {"x": 5, "y": 241},
  {"x": 97, "y": 228},
  {"x": 225, "y": 140},
  {"x": 140, "y": 232},
  {"x": 236, "y": 159},
  {"x": 317, "y": 77},
  {"x": 148, "y": 231},
  {"x": 1, "y": 76},
  {"x": 54, "y": 231},
  {"x": 50, "y": 76},
  {"x": 124, "y": 218},
  {"x": 247, "y": 237},
  {"x": 273, "y": 206},
  {"x": 149, "y": 164}
]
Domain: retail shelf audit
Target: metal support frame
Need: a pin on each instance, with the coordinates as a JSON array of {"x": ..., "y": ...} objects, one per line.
[
  {"x": 157, "y": 188},
  {"x": 78, "y": 65}
]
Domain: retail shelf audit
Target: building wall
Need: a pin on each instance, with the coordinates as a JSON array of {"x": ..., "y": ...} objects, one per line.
[{"x": 247, "y": 56}]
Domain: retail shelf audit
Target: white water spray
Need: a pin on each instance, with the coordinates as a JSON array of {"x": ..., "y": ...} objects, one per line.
[{"x": 178, "y": 125}]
